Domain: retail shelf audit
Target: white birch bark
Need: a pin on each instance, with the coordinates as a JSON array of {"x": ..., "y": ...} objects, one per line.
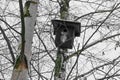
[{"x": 22, "y": 73}]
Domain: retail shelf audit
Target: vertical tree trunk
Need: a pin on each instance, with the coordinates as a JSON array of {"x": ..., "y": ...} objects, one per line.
[
  {"x": 60, "y": 64},
  {"x": 21, "y": 71}
]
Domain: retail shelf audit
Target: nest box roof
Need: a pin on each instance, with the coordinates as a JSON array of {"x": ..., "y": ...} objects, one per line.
[{"x": 69, "y": 24}]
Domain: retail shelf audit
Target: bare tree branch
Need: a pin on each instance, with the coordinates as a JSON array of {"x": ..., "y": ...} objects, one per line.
[{"x": 9, "y": 46}]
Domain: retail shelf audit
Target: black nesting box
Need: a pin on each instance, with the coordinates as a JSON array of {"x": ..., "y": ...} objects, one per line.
[{"x": 65, "y": 32}]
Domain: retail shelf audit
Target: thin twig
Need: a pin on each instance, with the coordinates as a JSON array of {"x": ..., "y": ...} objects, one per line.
[
  {"x": 9, "y": 46},
  {"x": 23, "y": 27}
]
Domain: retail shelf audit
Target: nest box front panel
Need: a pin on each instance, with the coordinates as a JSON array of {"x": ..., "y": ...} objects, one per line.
[{"x": 64, "y": 37}]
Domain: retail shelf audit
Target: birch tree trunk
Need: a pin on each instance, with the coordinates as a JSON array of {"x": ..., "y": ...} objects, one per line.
[
  {"x": 60, "y": 63},
  {"x": 21, "y": 72}
]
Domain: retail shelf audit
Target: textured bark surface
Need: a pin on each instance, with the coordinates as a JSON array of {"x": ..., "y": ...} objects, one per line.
[
  {"x": 60, "y": 65},
  {"x": 21, "y": 72}
]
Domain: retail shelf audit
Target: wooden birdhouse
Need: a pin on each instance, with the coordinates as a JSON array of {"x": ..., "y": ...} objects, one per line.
[{"x": 65, "y": 32}]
